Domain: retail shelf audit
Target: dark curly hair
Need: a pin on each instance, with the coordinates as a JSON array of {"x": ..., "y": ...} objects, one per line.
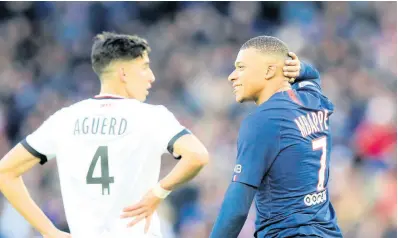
[{"x": 108, "y": 47}]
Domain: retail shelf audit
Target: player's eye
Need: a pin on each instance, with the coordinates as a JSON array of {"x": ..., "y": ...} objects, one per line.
[{"x": 240, "y": 67}]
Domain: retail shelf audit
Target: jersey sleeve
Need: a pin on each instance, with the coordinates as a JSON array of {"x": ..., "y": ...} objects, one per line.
[
  {"x": 168, "y": 131},
  {"x": 258, "y": 146},
  {"x": 42, "y": 142},
  {"x": 309, "y": 78}
]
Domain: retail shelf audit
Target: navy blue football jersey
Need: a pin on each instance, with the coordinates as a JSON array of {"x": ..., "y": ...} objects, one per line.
[{"x": 284, "y": 151}]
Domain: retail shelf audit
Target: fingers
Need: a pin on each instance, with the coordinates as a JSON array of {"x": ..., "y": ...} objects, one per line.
[
  {"x": 291, "y": 69},
  {"x": 148, "y": 223},
  {"x": 134, "y": 207},
  {"x": 136, "y": 220},
  {"x": 291, "y": 74},
  {"x": 133, "y": 213},
  {"x": 293, "y": 55},
  {"x": 294, "y": 61},
  {"x": 140, "y": 218}
]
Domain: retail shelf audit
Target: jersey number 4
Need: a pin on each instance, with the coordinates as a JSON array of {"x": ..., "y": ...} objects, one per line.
[
  {"x": 104, "y": 180},
  {"x": 320, "y": 144}
]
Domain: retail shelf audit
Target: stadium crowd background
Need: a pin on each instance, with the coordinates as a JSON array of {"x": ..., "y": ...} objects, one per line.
[{"x": 44, "y": 65}]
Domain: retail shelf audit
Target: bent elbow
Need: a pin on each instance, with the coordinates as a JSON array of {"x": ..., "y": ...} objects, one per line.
[
  {"x": 201, "y": 158},
  {"x": 204, "y": 158}
]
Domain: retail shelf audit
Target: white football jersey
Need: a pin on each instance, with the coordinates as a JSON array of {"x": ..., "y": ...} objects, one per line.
[{"x": 108, "y": 152}]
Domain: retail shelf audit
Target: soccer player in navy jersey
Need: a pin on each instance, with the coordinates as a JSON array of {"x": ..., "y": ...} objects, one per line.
[{"x": 284, "y": 148}]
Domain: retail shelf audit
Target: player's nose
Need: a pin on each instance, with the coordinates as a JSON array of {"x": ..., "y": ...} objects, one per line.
[
  {"x": 152, "y": 77},
  {"x": 232, "y": 76}
]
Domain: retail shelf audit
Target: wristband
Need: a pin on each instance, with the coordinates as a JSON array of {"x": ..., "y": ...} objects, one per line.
[{"x": 160, "y": 192}]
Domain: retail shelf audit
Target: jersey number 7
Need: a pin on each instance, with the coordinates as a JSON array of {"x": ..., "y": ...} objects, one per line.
[
  {"x": 104, "y": 180},
  {"x": 320, "y": 144}
]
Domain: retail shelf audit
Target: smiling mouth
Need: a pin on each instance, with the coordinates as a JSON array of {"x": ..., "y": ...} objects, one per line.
[{"x": 236, "y": 87}]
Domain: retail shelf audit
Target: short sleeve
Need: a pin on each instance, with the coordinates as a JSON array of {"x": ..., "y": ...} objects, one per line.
[
  {"x": 42, "y": 142},
  {"x": 168, "y": 130},
  {"x": 258, "y": 146}
]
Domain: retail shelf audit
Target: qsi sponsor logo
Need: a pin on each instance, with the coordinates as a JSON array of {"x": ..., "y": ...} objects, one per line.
[{"x": 315, "y": 198}]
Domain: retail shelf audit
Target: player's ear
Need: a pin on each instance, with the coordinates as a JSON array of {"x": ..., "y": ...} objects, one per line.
[
  {"x": 270, "y": 72},
  {"x": 122, "y": 74}
]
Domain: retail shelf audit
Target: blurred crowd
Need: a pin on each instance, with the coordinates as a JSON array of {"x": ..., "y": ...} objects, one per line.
[{"x": 45, "y": 65}]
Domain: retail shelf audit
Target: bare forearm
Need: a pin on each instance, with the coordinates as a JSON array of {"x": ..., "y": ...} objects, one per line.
[
  {"x": 16, "y": 193},
  {"x": 184, "y": 171}
]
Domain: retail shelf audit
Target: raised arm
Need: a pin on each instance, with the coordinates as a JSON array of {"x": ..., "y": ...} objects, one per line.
[
  {"x": 307, "y": 72},
  {"x": 299, "y": 71}
]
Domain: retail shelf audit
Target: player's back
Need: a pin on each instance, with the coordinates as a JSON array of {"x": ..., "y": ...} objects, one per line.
[
  {"x": 108, "y": 154},
  {"x": 293, "y": 198}
]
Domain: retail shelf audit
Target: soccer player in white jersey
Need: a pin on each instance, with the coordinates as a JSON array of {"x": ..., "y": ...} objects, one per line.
[{"x": 108, "y": 151}]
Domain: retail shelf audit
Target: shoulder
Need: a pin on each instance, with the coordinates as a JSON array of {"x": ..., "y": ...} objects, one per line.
[
  {"x": 159, "y": 116},
  {"x": 60, "y": 115},
  {"x": 259, "y": 122},
  {"x": 68, "y": 111},
  {"x": 279, "y": 102},
  {"x": 160, "y": 111},
  {"x": 275, "y": 109},
  {"x": 132, "y": 106}
]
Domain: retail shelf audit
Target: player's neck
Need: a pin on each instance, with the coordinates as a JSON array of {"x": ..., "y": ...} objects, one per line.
[
  {"x": 110, "y": 89},
  {"x": 269, "y": 91}
]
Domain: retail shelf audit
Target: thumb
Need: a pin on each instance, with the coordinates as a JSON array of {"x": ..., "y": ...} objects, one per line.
[{"x": 293, "y": 55}]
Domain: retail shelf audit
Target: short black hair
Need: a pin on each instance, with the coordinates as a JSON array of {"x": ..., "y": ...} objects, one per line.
[
  {"x": 108, "y": 47},
  {"x": 267, "y": 44}
]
